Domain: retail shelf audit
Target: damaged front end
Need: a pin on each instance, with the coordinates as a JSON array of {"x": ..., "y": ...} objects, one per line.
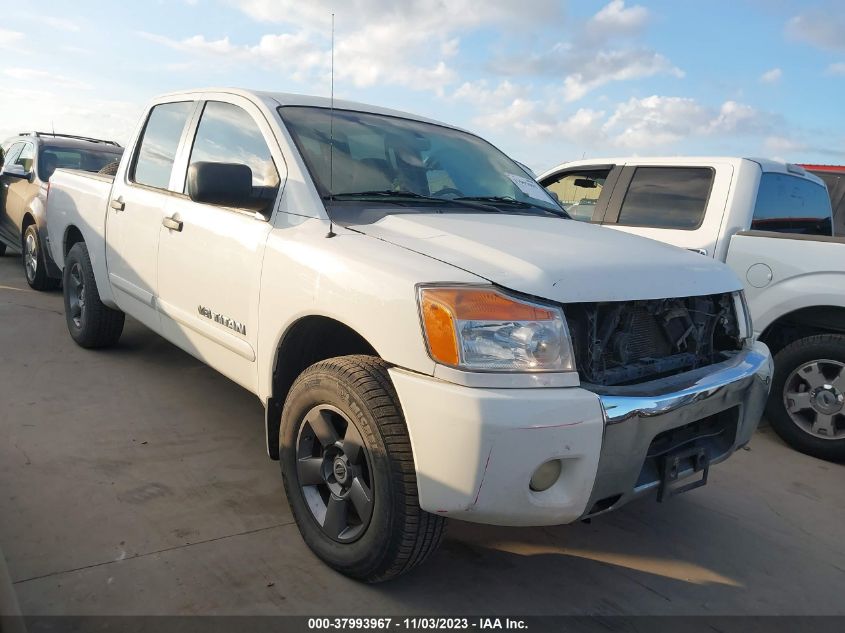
[{"x": 627, "y": 342}]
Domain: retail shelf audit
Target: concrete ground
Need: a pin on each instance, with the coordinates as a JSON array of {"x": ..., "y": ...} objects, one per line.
[{"x": 134, "y": 481}]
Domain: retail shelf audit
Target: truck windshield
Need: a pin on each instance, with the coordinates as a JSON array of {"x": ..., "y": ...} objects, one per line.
[{"x": 381, "y": 159}]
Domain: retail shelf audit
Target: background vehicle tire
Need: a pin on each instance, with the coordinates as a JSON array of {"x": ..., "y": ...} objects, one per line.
[
  {"x": 110, "y": 169},
  {"x": 807, "y": 403},
  {"x": 345, "y": 411},
  {"x": 34, "y": 265},
  {"x": 90, "y": 323},
  {"x": 2, "y": 249}
]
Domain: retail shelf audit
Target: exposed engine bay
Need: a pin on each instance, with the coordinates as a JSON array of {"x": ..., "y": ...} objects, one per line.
[{"x": 623, "y": 343}]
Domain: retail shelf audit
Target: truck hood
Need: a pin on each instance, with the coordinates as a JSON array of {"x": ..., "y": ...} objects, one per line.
[{"x": 561, "y": 260}]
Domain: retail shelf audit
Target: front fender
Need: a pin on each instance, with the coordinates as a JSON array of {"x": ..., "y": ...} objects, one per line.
[{"x": 364, "y": 283}]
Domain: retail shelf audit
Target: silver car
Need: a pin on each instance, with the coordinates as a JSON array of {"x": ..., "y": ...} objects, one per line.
[{"x": 28, "y": 160}]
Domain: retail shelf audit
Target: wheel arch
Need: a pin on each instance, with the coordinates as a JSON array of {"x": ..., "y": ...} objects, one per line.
[
  {"x": 306, "y": 341},
  {"x": 72, "y": 236},
  {"x": 803, "y": 322},
  {"x": 28, "y": 220}
]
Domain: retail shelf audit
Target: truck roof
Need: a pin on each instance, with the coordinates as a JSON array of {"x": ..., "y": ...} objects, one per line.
[
  {"x": 275, "y": 99},
  {"x": 766, "y": 164}
]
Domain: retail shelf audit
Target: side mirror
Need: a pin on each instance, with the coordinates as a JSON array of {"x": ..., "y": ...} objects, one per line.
[
  {"x": 222, "y": 184},
  {"x": 17, "y": 171}
]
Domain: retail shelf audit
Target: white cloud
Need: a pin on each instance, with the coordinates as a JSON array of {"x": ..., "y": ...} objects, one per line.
[
  {"x": 10, "y": 39},
  {"x": 608, "y": 66},
  {"x": 772, "y": 76},
  {"x": 819, "y": 27},
  {"x": 783, "y": 145},
  {"x": 480, "y": 94},
  {"x": 534, "y": 121},
  {"x": 69, "y": 113},
  {"x": 292, "y": 52},
  {"x": 429, "y": 15},
  {"x": 45, "y": 77},
  {"x": 738, "y": 118},
  {"x": 384, "y": 42},
  {"x": 654, "y": 121},
  {"x": 659, "y": 121},
  {"x": 615, "y": 19},
  {"x": 587, "y": 63},
  {"x": 836, "y": 68},
  {"x": 62, "y": 24}
]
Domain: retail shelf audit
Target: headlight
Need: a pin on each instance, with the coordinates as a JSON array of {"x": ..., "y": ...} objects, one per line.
[
  {"x": 480, "y": 328},
  {"x": 743, "y": 316}
]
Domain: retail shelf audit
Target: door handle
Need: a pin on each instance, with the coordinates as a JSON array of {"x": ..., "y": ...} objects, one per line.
[
  {"x": 172, "y": 224},
  {"x": 117, "y": 204}
]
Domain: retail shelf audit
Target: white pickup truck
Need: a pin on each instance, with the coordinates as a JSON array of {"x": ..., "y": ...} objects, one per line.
[
  {"x": 771, "y": 222},
  {"x": 430, "y": 335}
]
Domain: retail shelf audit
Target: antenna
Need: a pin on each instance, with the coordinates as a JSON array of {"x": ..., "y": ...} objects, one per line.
[
  {"x": 331, "y": 232},
  {"x": 53, "y": 125}
]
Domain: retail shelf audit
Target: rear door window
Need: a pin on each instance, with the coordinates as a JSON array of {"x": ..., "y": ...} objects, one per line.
[
  {"x": 667, "y": 197},
  {"x": 157, "y": 150},
  {"x": 789, "y": 204}
]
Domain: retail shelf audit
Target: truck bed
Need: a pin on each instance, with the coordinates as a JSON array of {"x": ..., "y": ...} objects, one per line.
[
  {"x": 79, "y": 199},
  {"x": 784, "y": 272}
]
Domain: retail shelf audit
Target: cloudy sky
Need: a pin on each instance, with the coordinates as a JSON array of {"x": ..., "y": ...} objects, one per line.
[{"x": 546, "y": 80}]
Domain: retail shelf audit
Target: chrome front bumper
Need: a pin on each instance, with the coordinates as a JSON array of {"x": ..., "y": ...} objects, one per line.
[{"x": 716, "y": 408}]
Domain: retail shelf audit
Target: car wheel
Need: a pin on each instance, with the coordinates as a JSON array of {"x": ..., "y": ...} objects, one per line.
[
  {"x": 2, "y": 249},
  {"x": 90, "y": 323},
  {"x": 349, "y": 473},
  {"x": 34, "y": 265},
  {"x": 807, "y": 403}
]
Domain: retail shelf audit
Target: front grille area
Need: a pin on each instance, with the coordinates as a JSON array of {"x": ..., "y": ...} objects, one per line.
[{"x": 624, "y": 343}]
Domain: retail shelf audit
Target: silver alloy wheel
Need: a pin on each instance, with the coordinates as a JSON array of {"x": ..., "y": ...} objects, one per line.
[
  {"x": 335, "y": 475},
  {"x": 814, "y": 397},
  {"x": 76, "y": 294},
  {"x": 30, "y": 256}
]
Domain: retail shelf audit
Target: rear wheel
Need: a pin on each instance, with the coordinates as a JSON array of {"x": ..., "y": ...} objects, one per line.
[
  {"x": 807, "y": 403},
  {"x": 349, "y": 472},
  {"x": 90, "y": 323},
  {"x": 34, "y": 264}
]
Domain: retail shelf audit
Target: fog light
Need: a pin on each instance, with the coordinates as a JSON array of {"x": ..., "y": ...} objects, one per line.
[{"x": 545, "y": 476}]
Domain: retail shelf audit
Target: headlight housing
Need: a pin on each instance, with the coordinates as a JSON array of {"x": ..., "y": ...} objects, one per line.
[
  {"x": 743, "y": 316},
  {"x": 480, "y": 328}
]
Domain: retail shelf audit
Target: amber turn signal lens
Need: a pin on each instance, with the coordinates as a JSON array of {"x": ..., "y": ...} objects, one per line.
[{"x": 439, "y": 329}]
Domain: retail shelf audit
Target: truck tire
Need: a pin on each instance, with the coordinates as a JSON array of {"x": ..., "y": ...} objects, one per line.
[
  {"x": 349, "y": 473},
  {"x": 90, "y": 323},
  {"x": 806, "y": 406},
  {"x": 34, "y": 264}
]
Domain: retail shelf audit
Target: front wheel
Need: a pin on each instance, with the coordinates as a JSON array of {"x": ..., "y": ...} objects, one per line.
[
  {"x": 90, "y": 323},
  {"x": 34, "y": 263},
  {"x": 807, "y": 403},
  {"x": 349, "y": 473}
]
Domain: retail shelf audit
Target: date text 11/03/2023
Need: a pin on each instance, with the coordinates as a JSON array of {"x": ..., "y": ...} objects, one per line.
[{"x": 419, "y": 623}]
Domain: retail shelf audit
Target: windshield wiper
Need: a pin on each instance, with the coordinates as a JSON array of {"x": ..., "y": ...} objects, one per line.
[
  {"x": 513, "y": 202},
  {"x": 397, "y": 195}
]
